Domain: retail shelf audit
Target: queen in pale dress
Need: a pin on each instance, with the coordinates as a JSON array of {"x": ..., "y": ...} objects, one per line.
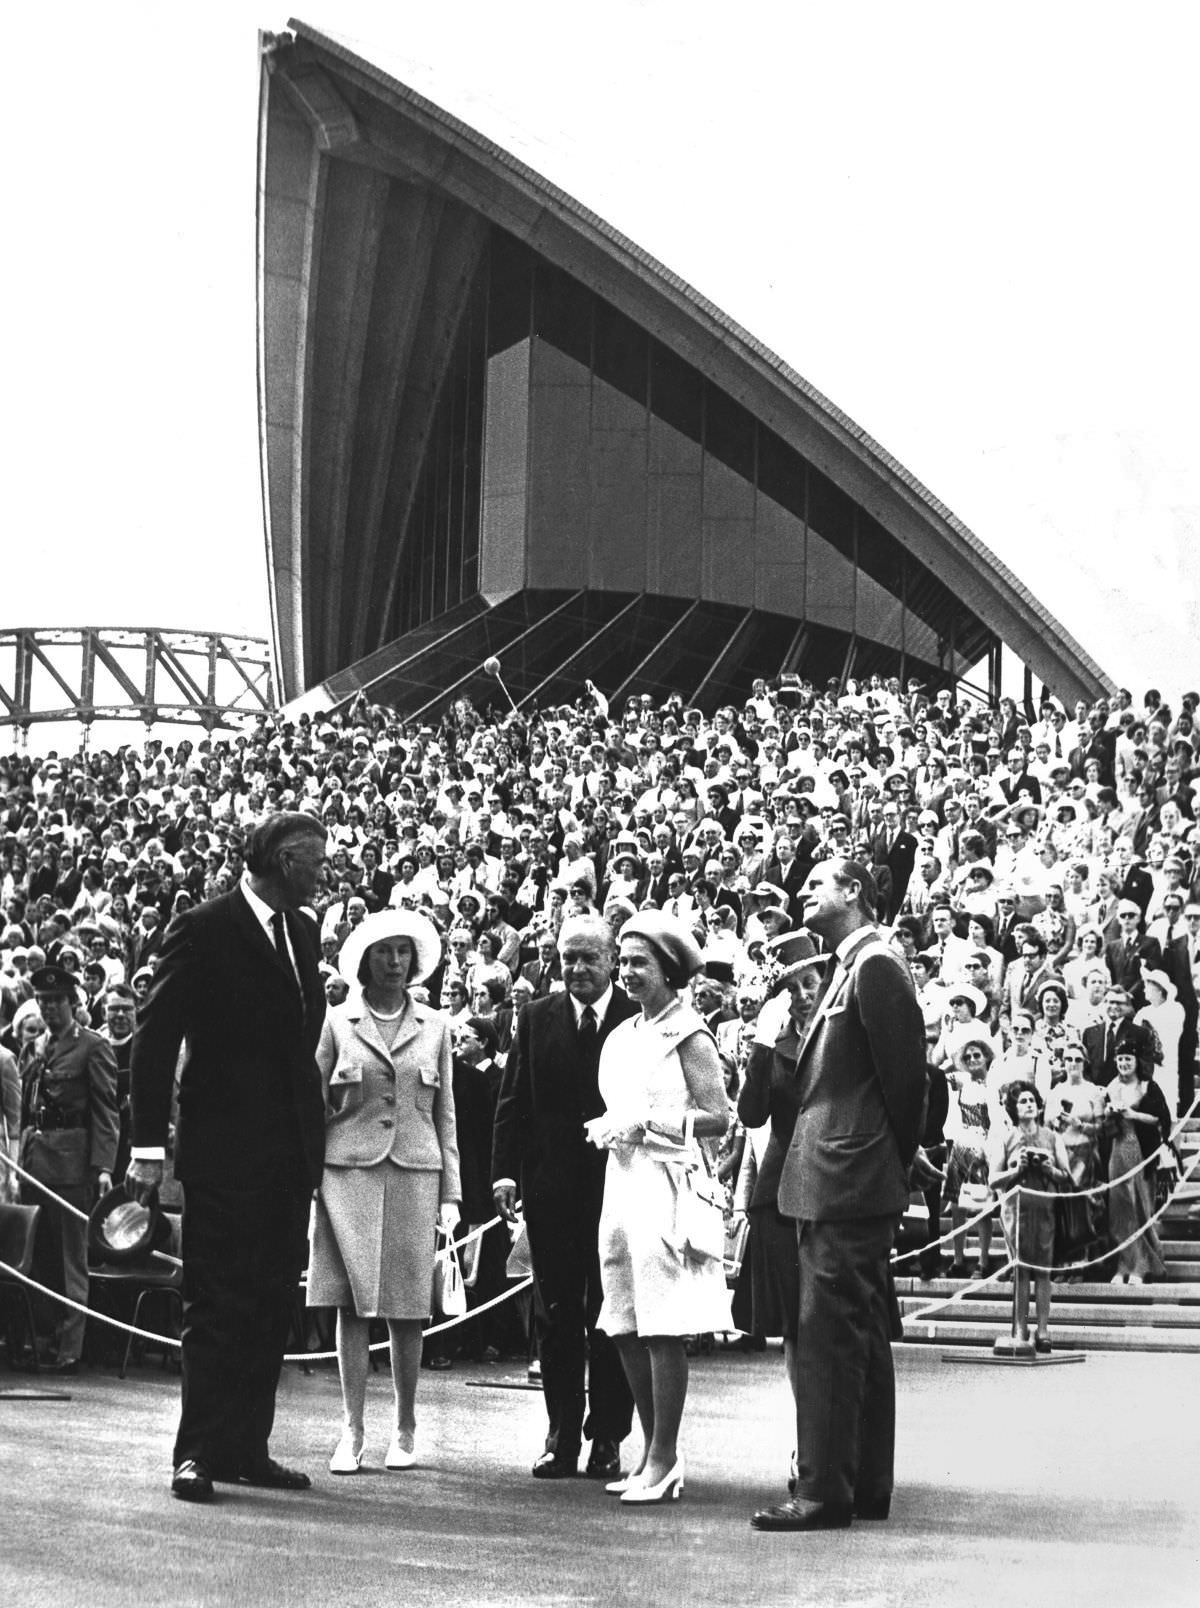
[{"x": 663, "y": 1089}]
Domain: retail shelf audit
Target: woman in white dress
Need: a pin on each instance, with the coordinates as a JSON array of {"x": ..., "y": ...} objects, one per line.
[
  {"x": 662, "y": 1086},
  {"x": 1164, "y": 1014}
]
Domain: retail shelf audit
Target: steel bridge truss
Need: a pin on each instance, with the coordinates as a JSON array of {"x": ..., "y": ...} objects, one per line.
[{"x": 92, "y": 673}]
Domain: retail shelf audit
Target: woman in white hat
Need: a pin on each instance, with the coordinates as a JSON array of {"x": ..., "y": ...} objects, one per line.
[
  {"x": 972, "y": 1118},
  {"x": 663, "y": 1090},
  {"x": 766, "y": 1300},
  {"x": 1164, "y": 1016},
  {"x": 391, "y": 1167}
]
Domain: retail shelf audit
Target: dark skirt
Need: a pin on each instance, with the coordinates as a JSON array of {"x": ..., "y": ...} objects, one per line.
[{"x": 766, "y": 1299}]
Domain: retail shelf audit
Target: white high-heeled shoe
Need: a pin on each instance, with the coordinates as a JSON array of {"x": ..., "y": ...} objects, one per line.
[
  {"x": 345, "y": 1459},
  {"x": 668, "y": 1489},
  {"x": 619, "y": 1487},
  {"x": 399, "y": 1456}
]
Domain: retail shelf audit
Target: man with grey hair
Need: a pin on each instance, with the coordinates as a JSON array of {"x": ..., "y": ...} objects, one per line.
[
  {"x": 238, "y": 984},
  {"x": 548, "y": 1091}
]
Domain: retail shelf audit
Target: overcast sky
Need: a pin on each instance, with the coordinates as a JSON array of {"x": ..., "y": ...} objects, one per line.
[{"x": 974, "y": 228}]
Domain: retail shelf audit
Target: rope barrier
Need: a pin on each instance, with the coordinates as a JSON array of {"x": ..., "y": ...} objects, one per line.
[
  {"x": 174, "y": 1261},
  {"x": 291, "y": 1356},
  {"x": 1067, "y": 1267},
  {"x": 454, "y": 1245},
  {"x": 1063, "y": 1194},
  {"x": 73, "y": 1211}
]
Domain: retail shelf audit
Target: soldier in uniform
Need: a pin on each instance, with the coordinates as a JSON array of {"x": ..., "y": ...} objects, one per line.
[
  {"x": 68, "y": 1142},
  {"x": 120, "y": 1005}
]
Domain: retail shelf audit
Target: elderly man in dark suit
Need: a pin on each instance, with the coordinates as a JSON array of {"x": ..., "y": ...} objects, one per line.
[
  {"x": 1102, "y": 1040},
  {"x": 544, "y": 972},
  {"x": 895, "y": 850},
  {"x": 861, "y": 1082},
  {"x": 238, "y": 982},
  {"x": 1132, "y": 952},
  {"x": 549, "y": 1090}
]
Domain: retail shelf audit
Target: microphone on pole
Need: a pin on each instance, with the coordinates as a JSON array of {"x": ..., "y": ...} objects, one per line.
[{"x": 491, "y": 667}]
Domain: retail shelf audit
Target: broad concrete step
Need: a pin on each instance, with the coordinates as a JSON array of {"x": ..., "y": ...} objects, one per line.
[
  {"x": 939, "y": 1332},
  {"x": 1150, "y": 1317}
]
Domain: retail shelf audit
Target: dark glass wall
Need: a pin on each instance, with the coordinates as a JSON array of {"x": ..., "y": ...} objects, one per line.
[
  {"x": 570, "y": 450},
  {"x": 439, "y": 564}
]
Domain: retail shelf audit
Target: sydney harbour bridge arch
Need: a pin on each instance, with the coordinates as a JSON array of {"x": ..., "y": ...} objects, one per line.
[{"x": 91, "y": 674}]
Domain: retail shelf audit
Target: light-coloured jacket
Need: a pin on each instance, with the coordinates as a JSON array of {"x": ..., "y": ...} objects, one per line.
[{"x": 396, "y": 1105}]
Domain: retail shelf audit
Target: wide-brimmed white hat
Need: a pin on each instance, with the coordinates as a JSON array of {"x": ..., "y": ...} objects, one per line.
[
  {"x": 1161, "y": 980},
  {"x": 970, "y": 993},
  {"x": 418, "y": 929}
]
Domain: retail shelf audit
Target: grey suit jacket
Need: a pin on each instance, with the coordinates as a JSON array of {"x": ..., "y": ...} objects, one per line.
[
  {"x": 396, "y": 1104},
  {"x": 861, "y": 1073}
]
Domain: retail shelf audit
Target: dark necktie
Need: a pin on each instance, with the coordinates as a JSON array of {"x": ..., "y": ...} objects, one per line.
[
  {"x": 279, "y": 933},
  {"x": 587, "y": 1026},
  {"x": 1110, "y": 1043}
]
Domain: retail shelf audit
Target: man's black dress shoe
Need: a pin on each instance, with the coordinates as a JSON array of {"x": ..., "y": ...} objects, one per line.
[
  {"x": 799, "y": 1514},
  {"x": 191, "y": 1482},
  {"x": 873, "y": 1507},
  {"x": 273, "y": 1476},
  {"x": 64, "y": 1367},
  {"x": 604, "y": 1461},
  {"x": 550, "y": 1466}
]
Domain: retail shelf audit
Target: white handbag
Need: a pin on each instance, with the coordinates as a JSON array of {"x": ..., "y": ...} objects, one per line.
[
  {"x": 449, "y": 1289},
  {"x": 699, "y": 1208}
]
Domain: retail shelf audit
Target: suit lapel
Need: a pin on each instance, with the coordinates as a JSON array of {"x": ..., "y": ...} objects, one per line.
[
  {"x": 366, "y": 1031},
  {"x": 836, "y": 978}
]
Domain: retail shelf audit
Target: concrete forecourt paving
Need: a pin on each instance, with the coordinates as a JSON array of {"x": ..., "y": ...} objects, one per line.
[{"x": 1059, "y": 1485}]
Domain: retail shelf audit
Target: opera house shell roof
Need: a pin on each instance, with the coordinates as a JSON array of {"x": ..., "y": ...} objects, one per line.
[{"x": 492, "y": 425}]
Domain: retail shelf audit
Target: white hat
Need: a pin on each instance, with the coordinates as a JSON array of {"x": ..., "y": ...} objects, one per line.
[
  {"x": 970, "y": 993},
  {"x": 418, "y": 929}
]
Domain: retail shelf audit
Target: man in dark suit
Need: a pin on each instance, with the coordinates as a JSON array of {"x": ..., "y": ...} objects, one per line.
[
  {"x": 1132, "y": 952},
  {"x": 895, "y": 850},
  {"x": 1017, "y": 779},
  {"x": 377, "y": 884},
  {"x": 544, "y": 972},
  {"x": 861, "y": 1085},
  {"x": 238, "y": 980},
  {"x": 1102, "y": 1041},
  {"x": 549, "y": 1090}
]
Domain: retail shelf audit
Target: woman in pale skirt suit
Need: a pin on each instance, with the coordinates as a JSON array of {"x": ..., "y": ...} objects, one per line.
[
  {"x": 391, "y": 1167},
  {"x": 663, "y": 1089}
]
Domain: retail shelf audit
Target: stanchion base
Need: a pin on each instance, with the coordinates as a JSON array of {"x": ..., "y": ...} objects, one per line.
[
  {"x": 1012, "y": 1358},
  {"x": 504, "y": 1384}
]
